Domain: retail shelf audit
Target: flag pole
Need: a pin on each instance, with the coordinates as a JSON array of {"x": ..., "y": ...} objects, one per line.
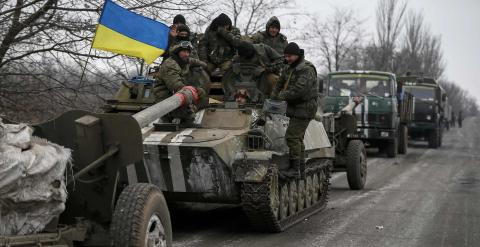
[{"x": 142, "y": 63}]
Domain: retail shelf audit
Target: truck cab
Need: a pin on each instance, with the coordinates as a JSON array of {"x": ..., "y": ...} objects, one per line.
[
  {"x": 381, "y": 115},
  {"x": 429, "y": 109}
]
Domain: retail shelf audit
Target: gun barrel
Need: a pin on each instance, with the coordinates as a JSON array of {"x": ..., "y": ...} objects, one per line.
[{"x": 159, "y": 110}]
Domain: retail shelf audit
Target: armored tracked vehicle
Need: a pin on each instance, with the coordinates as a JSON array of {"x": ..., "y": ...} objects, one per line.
[{"x": 233, "y": 152}]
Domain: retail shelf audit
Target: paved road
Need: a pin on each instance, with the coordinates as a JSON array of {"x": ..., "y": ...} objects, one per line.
[{"x": 425, "y": 198}]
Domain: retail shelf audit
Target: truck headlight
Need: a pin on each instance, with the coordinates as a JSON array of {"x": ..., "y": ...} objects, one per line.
[{"x": 429, "y": 117}]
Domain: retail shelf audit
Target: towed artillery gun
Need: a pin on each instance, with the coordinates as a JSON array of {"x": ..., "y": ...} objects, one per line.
[
  {"x": 112, "y": 196},
  {"x": 350, "y": 153}
]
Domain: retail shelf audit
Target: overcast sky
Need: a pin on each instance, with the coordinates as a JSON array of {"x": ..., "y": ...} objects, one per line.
[{"x": 458, "y": 23}]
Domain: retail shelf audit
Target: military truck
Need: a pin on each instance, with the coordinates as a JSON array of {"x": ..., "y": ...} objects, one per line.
[
  {"x": 383, "y": 114},
  {"x": 429, "y": 108}
]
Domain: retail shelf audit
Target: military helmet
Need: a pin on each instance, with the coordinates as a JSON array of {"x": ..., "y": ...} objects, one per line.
[{"x": 184, "y": 45}]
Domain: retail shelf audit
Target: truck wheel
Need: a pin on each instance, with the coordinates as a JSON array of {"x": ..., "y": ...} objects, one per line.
[
  {"x": 356, "y": 165},
  {"x": 141, "y": 218},
  {"x": 392, "y": 148},
  {"x": 403, "y": 140},
  {"x": 433, "y": 139}
]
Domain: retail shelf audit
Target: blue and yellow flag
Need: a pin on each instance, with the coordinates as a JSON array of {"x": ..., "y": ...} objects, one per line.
[{"x": 124, "y": 32}]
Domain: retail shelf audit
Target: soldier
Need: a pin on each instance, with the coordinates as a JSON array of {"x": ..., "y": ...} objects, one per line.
[
  {"x": 265, "y": 57},
  {"x": 183, "y": 34},
  {"x": 460, "y": 119},
  {"x": 298, "y": 86},
  {"x": 179, "y": 27},
  {"x": 217, "y": 46},
  {"x": 172, "y": 78},
  {"x": 271, "y": 36}
]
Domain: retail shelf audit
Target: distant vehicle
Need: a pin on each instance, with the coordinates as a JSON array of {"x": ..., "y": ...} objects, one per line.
[
  {"x": 430, "y": 108},
  {"x": 384, "y": 113}
]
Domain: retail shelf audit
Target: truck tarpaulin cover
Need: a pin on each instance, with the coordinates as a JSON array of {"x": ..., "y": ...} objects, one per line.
[{"x": 32, "y": 180}]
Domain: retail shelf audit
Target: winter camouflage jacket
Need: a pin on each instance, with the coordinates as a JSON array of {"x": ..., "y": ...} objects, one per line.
[
  {"x": 278, "y": 42},
  {"x": 298, "y": 86},
  {"x": 265, "y": 57},
  {"x": 172, "y": 77},
  {"x": 218, "y": 46}
]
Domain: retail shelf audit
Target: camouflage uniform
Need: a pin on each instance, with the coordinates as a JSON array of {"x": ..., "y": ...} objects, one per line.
[
  {"x": 172, "y": 41},
  {"x": 217, "y": 48},
  {"x": 298, "y": 86},
  {"x": 172, "y": 77},
  {"x": 265, "y": 57},
  {"x": 278, "y": 42}
]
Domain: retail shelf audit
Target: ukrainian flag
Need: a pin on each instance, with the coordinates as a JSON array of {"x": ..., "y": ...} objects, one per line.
[{"x": 124, "y": 32}]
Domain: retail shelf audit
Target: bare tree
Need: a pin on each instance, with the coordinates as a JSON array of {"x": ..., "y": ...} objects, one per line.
[
  {"x": 432, "y": 56},
  {"x": 251, "y": 15},
  {"x": 44, "y": 45},
  {"x": 460, "y": 99},
  {"x": 390, "y": 21},
  {"x": 421, "y": 51},
  {"x": 337, "y": 39},
  {"x": 414, "y": 40}
]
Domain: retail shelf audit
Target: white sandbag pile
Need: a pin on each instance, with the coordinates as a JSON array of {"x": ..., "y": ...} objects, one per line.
[{"x": 32, "y": 180}]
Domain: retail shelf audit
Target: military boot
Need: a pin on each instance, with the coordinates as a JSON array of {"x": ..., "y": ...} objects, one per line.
[{"x": 293, "y": 170}]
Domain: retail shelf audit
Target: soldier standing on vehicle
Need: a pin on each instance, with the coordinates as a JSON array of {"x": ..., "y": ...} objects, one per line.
[
  {"x": 271, "y": 36},
  {"x": 298, "y": 86},
  {"x": 172, "y": 78},
  {"x": 264, "y": 57},
  {"x": 460, "y": 119},
  {"x": 217, "y": 46}
]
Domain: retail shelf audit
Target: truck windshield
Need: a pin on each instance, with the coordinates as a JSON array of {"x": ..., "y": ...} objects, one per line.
[
  {"x": 425, "y": 93},
  {"x": 359, "y": 86}
]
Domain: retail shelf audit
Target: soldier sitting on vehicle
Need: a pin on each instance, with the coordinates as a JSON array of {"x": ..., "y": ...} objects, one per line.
[
  {"x": 297, "y": 86},
  {"x": 178, "y": 28},
  {"x": 271, "y": 36},
  {"x": 172, "y": 78},
  {"x": 183, "y": 34},
  {"x": 217, "y": 46},
  {"x": 264, "y": 57}
]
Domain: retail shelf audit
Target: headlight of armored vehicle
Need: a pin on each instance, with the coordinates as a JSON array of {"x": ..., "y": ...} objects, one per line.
[{"x": 428, "y": 117}]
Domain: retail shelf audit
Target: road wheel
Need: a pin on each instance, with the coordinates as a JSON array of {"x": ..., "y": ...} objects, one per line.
[
  {"x": 433, "y": 139},
  {"x": 392, "y": 148},
  {"x": 403, "y": 140},
  {"x": 356, "y": 164},
  {"x": 141, "y": 218}
]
